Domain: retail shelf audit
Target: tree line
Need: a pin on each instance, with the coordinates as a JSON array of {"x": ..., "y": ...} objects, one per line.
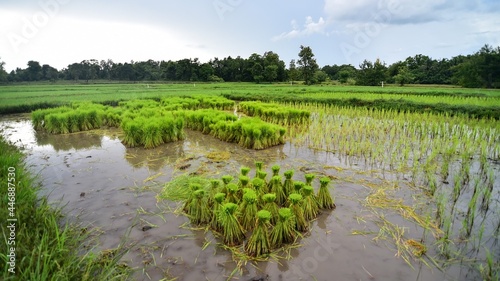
[{"x": 481, "y": 69}]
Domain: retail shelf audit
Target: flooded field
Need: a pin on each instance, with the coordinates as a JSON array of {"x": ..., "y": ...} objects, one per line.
[{"x": 104, "y": 185}]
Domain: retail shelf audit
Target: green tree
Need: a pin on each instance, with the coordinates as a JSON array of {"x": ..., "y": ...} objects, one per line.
[
  {"x": 270, "y": 73},
  {"x": 34, "y": 71},
  {"x": 293, "y": 72},
  {"x": 3, "y": 73},
  {"x": 404, "y": 76},
  {"x": 371, "y": 74},
  {"x": 308, "y": 65},
  {"x": 320, "y": 76}
]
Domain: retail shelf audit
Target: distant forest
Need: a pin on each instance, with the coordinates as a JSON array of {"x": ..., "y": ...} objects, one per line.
[{"x": 478, "y": 70}]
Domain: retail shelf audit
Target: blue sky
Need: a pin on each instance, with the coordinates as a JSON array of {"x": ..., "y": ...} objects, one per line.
[{"x": 60, "y": 32}]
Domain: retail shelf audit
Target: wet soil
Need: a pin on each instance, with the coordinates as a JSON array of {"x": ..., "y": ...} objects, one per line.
[{"x": 104, "y": 185}]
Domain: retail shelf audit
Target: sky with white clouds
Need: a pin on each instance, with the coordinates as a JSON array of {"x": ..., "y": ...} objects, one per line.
[{"x": 60, "y": 32}]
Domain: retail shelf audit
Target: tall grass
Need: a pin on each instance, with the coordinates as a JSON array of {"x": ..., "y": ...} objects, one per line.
[{"x": 46, "y": 247}]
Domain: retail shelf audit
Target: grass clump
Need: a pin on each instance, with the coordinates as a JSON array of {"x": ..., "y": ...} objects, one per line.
[
  {"x": 46, "y": 248},
  {"x": 198, "y": 210}
]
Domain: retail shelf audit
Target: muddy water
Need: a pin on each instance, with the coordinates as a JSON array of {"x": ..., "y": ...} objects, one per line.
[{"x": 105, "y": 185}]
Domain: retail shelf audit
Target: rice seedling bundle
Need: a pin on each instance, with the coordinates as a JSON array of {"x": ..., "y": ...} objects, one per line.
[
  {"x": 309, "y": 178},
  {"x": 198, "y": 210},
  {"x": 218, "y": 200},
  {"x": 193, "y": 187},
  {"x": 297, "y": 186},
  {"x": 214, "y": 189},
  {"x": 248, "y": 209},
  {"x": 288, "y": 186},
  {"x": 243, "y": 182},
  {"x": 277, "y": 188},
  {"x": 232, "y": 230},
  {"x": 325, "y": 200},
  {"x": 232, "y": 191},
  {"x": 259, "y": 165},
  {"x": 259, "y": 186},
  {"x": 284, "y": 230},
  {"x": 295, "y": 205},
  {"x": 226, "y": 179},
  {"x": 244, "y": 171},
  {"x": 152, "y": 133},
  {"x": 258, "y": 244},
  {"x": 309, "y": 203},
  {"x": 132, "y": 130},
  {"x": 270, "y": 205},
  {"x": 276, "y": 170}
]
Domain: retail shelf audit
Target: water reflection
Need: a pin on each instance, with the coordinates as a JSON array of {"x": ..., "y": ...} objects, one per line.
[{"x": 67, "y": 142}]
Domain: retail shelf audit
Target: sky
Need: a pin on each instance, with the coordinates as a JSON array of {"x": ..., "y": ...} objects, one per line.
[{"x": 61, "y": 32}]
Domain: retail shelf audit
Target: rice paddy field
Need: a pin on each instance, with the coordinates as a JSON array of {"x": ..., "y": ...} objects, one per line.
[{"x": 270, "y": 182}]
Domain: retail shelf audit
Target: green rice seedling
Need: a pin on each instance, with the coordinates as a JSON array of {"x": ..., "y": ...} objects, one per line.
[
  {"x": 276, "y": 170},
  {"x": 309, "y": 204},
  {"x": 295, "y": 205},
  {"x": 218, "y": 200},
  {"x": 270, "y": 205},
  {"x": 284, "y": 231},
  {"x": 257, "y": 139},
  {"x": 259, "y": 186},
  {"x": 262, "y": 175},
  {"x": 259, "y": 165},
  {"x": 277, "y": 188},
  {"x": 232, "y": 193},
  {"x": 214, "y": 189},
  {"x": 152, "y": 134},
  {"x": 297, "y": 186},
  {"x": 258, "y": 244},
  {"x": 244, "y": 171},
  {"x": 232, "y": 231},
  {"x": 325, "y": 200},
  {"x": 193, "y": 187},
  {"x": 309, "y": 178},
  {"x": 198, "y": 210},
  {"x": 248, "y": 209},
  {"x": 243, "y": 182},
  {"x": 226, "y": 179},
  {"x": 132, "y": 133},
  {"x": 288, "y": 183}
]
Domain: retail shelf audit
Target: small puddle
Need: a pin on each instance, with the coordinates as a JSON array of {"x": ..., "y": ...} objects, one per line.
[{"x": 103, "y": 184}]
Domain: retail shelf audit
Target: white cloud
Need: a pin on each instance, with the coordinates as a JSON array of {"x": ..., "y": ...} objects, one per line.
[{"x": 310, "y": 27}]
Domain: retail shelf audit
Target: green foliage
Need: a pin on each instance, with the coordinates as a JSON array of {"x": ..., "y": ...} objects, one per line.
[
  {"x": 258, "y": 244},
  {"x": 325, "y": 200},
  {"x": 231, "y": 229},
  {"x": 49, "y": 249},
  {"x": 284, "y": 230},
  {"x": 295, "y": 200},
  {"x": 307, "y": 64}
]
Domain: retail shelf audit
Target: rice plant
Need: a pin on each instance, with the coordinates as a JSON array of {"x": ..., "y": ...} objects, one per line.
[
  {"x": 232, "y": 191},
  {"x": 325, "y": 200},
  {"x": 284, "y": 230},
  {"x": 297, "y": 186},
  {"x": 193, "y": 187},
  {"x": 259, "y": 186},
  {"x": 244, "y": 171},
  {"x": 258, "y": 244},
  {"x": 276, "y": 170},
  {"x": 309, "y": 178},
  {"x": 218, "y": 200},
  {"x": 270, "y": 205},
  {"x": 276, "y": 187},
  {"x": 248, "y": 209},
  {"x": 198, "y": 210},
  {"x": 259, "y": 165},
  {"x": 309, "y": 203},
  {"x": 226, "y": 179},
  {"x": 232, "y": 230},
  {"x": 288, "y": 186},
  {"x": 296, "y": 206}
]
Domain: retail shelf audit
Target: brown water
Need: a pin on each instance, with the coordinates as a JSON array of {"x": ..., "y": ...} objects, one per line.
[{"x": 110, "y": 187}]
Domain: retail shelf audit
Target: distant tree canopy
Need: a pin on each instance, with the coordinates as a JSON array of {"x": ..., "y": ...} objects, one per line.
[{"x": 481, "y": 69}]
